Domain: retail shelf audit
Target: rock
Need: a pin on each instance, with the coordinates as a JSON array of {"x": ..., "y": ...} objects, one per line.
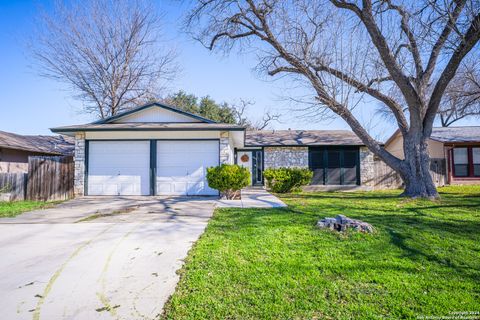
[
  {"x": 321, "y": 224},
  {"x": 342, "y": 223},
  {"x": 330, "y": 220}
]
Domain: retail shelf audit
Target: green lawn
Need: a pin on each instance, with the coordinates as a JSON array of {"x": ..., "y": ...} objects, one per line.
[
  {"x": 12, "y": 209},
  {"x": 274, "y": 264}
]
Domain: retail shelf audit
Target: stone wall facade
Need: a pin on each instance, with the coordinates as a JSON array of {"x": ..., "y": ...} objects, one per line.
[
  {"x": 367, "y": 167},
  {"x": 79, "y": 158},
  {"x": 276, "y": 157},
  {"x": 226, "y": 154}
]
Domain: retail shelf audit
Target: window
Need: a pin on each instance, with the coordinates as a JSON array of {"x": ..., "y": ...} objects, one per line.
[
  {"x": 476, "y": 161},
  {"x": 350, "y": 167},
  {"x": 460, "y": 160},
  {"x": 334, "y": 165},
  {"x": 466, "y": 162}
]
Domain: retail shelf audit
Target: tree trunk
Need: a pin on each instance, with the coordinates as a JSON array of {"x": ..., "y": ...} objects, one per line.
[{"x": 415, "y": 169}]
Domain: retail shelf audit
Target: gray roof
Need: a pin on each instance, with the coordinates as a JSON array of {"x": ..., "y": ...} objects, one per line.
[
  {"x": 146, "y": 126},
  {"x": 301, "y": 138},
  {"x": 56, "y": 145},
  {"x": 456, "y": 134}
]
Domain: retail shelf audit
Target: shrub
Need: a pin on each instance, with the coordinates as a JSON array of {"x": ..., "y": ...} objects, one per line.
[
  {"x": 228, "y": 179},
  {"x": 283, "y": 180}
]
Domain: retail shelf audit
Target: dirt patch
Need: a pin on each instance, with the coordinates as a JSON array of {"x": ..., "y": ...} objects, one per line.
[{"x": 98, "y": 214}]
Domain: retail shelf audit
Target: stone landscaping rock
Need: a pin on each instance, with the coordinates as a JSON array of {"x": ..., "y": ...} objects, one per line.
[{"x": 342, "y": 223}]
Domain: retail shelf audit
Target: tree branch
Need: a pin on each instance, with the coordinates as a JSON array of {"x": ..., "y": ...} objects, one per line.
[{"x": 471, "y": 38}]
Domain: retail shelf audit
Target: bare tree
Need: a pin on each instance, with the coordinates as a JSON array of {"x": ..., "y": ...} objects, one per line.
[
  {"x": 240, "y": 112},
  {"x": 462, "y": 97},
  {"x": 106, "y": 51},
  {"x": 345, "y": 51},
  {"x": 268, "y": 118}
]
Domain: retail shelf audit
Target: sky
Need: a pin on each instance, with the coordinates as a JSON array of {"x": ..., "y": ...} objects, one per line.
[{"x": 30, "y": 104}]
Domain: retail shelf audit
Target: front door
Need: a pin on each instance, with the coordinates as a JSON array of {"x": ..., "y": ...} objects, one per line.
[{"x": 257, "y": 167}]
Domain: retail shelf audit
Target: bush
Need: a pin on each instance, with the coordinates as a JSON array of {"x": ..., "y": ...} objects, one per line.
[
  {"x": 228, "y": 179},
  {"x": 283, "y": 180}
]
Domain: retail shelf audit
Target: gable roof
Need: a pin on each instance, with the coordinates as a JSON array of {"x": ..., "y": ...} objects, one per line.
[
  {"x": 449, "y": 134},
  {"x": 285, "y": 138},
  {"x": 149, "y": 105},
  {"x": 55, "y": 145}
]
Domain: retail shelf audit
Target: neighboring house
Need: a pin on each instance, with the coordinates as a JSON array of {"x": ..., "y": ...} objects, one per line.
[
  {"x": 459, "y": 147},
  {"x": 160, "y": 150},
  {"x": 15, "y": 149}
]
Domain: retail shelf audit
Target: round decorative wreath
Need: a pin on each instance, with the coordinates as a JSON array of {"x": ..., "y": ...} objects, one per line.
[{"x": 244, "y": 158}]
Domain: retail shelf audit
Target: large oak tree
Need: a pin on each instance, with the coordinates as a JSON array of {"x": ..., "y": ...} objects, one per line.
[{"x": 345, "y": 51}]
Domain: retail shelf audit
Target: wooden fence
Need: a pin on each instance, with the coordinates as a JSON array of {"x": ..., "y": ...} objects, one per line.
[
  {"x": 47, "y": 179},
  {"x": 50, "y": 178},
  {"x": 386, "y": 178},
  {"x": 13, "y": 186},
  {"x": 13, "y": 167}
]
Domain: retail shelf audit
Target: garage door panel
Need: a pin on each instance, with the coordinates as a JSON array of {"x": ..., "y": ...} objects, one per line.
[
  {"x": 173, "y": 160},
  {"x": 164, "y": 187},
  {"x": 94, "y": 188},
  {"x": 119, "y": 168},
  {"x": 181, "y": 167},
  {"x": 128, "y": 188},
  {"x": 171, "y": 188},
  {"x": 174, "y": 172},
  {"x": 197, "y": 174}
]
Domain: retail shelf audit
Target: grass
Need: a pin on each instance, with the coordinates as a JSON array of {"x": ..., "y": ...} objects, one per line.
[
  {"x": 12, "y": 209},
  {"x": 424, "y": 260}
]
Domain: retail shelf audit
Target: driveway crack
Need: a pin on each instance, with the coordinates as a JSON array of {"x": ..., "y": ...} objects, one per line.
[
  {"x": 107, "y": 305},
  {"x": 56, "y": 275}
]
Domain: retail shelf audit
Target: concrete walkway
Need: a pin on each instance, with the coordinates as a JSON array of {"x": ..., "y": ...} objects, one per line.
[{"x": 253, "y": 197}]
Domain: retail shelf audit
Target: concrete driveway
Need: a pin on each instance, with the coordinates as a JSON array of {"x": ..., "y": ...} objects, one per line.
[{"x": 97, "y": 258}]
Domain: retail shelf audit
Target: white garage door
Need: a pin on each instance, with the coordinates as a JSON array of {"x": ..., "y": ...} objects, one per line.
[
  {"x": 119, "y": 168},
  {"x": 182, "y": 167}
]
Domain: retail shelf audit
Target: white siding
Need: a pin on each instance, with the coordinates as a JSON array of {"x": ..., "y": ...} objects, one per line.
[
  {"x": 156, "y": 114},
  {"x": 435, "y": 148}
]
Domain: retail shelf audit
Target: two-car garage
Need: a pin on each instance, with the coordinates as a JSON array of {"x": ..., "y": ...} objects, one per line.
[{"x": 150, "y": 167}]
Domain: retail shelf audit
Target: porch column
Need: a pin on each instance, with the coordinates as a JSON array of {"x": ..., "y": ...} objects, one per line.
[
  {"x": 79, "y": 159},
  {"x": 226, "y": 152}
]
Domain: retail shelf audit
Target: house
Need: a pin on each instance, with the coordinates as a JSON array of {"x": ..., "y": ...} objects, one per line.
[
  {"x": 333, "y": 155},
  {"x": 157, "y": 149},
  {"x": 15, "y": 149},
  {"x": 459, "y": 147}
]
